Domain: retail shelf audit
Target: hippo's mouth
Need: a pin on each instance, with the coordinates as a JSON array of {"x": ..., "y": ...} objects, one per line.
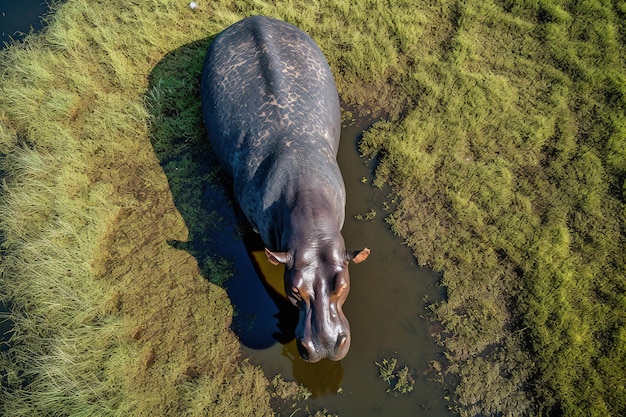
[
  {"x": 314, "y": 354},
  {"x": 315, "y": 342}
]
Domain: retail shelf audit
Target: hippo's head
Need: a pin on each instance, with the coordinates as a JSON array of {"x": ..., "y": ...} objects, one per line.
[{"x": 317, "y": 281}]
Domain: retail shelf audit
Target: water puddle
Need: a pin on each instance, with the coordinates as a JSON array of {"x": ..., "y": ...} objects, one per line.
[
  {"x": 18, "y": 18},
  {"x": 384, "y": 308}
]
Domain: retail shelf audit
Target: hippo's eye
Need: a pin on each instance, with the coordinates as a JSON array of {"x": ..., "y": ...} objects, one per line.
[{"x": 340, "y": 284}]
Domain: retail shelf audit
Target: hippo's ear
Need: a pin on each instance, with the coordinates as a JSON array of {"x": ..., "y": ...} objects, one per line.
[
  {"x": 276, "y": 258},
  {"x": 358, "y": 256}
]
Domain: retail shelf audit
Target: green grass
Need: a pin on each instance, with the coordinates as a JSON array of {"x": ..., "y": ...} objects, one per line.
[
  {"x": 109, "y": 318},
  {"x": 504, "y": 144},
  {"x": 510, "y": 173}
]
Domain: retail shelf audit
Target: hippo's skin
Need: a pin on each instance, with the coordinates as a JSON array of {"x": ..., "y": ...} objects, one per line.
[{"x": 272, "y": 113}]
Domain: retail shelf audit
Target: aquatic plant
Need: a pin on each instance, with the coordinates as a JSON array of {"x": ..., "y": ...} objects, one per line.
[
  {"x": 288, "y": 390},
  {"x": 369, "y": 216},
  {"x": 400, "y": 381},
  {"x": 322, "y": 413}
]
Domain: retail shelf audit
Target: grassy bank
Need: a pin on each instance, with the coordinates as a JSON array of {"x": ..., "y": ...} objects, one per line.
[
  {"x": 510, "y": 179},
  {"x": 109, "y": 318},
  {"x": 505, "y": 146}
]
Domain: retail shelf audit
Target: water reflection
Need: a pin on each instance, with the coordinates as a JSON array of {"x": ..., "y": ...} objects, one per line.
[{"x": 323, "y": 377}]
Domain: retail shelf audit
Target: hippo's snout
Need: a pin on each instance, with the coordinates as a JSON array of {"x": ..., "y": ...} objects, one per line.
[
  {"x": 310, "y": 353},
  {"x": 313, "y": 349}
]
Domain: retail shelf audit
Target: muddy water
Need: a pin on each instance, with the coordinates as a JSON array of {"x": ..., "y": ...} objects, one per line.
[
  {"x": 385, "y": 308},
  {"x": 18, "y": 17}
]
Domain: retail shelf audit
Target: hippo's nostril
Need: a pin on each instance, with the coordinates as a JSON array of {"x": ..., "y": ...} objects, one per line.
[{"x": 341, "y": 341}]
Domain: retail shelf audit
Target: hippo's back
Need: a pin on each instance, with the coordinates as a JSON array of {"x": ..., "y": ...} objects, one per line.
[{"x": 266, "y": 87}]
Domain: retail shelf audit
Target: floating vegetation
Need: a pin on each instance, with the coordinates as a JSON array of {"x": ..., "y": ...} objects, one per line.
[
  {"x": 288, "y": 390},
  {"x": 369, "y": 216},
  {"x": 400, "y": 380}
]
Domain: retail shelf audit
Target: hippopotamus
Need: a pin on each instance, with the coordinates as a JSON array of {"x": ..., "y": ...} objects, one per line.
[{"x": 272, "y": 114}]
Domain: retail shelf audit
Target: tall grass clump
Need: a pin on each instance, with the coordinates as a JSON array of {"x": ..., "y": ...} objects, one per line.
[{"x": 58, "y": 311}]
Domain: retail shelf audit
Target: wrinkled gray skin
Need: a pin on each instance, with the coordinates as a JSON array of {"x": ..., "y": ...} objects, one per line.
[{"x": 272, "y": 113}]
